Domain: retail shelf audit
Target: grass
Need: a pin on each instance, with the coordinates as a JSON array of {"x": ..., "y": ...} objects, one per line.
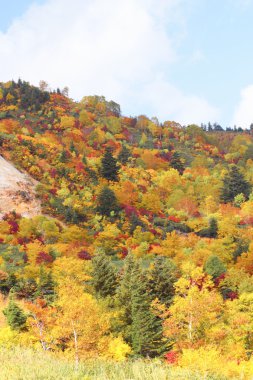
[{"x": 26, "y": 364}]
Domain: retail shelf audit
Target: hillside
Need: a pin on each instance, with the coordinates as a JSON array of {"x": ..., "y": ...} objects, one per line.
[{"x": 139, "y": 221}]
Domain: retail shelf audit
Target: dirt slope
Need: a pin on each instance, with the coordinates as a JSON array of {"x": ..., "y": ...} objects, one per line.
[{"x": 17, "y": 191}]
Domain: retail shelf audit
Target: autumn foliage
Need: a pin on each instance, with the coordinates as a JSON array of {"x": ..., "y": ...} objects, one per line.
[{"x": 162, "y": 213}]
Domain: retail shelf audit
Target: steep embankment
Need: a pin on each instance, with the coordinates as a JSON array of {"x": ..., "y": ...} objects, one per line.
[{"x": 17, "y": 191}]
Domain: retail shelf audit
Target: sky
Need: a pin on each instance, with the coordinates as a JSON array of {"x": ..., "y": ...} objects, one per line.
[{"x": 190, "y": 61}]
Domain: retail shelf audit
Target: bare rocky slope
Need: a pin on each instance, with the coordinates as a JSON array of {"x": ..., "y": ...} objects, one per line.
[{"x": 17, "y": 191}]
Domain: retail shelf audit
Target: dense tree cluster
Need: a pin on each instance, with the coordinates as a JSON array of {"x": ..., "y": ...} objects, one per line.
[
  {"x": 24, "y": 95},
  {"x": 144, "y": 244}
]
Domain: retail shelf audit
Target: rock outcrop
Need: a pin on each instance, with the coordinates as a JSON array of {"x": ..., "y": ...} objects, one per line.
[{"x": 17, "y": 191}]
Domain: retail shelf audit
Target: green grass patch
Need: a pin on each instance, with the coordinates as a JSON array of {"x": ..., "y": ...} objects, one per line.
[{"x": 26, "y": 364}]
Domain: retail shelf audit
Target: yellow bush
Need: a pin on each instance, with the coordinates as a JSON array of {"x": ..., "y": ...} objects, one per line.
[
  {"x": 8, "y": 337},
  {"x": 209, "y": 360},
  {"x": 114, "y": 348}
]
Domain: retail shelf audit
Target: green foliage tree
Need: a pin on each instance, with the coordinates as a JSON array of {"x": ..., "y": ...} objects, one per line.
[
  {"x": 162, "y": 277},
  {"x": 109, "y": 169},
  {"x": 104, "y": 276},
  {"x": 213, "y": 228},
  {"x": 141, "y": 328},
  {"x": 242, "y": 246},
  {"x": 92, "y": 175},
  {"x": 146, "y": 330},
  {"x": 124, "y": 295},
  {"x": 234, "y": 183},
  {"x": 107, "y": 202},
  {"x": 15, "y": 316},
  {"x": 46, "y": 285},
  {"x": 72, "y": 148},
  {"x": 249, "y": 153},
  {"x": 63, "y": 156},
  {"x": 7, "y": 283},
  {"x": 176, "y": 162},
  {"x": 211, "y": 231},
  {"x": 84, "y": 160},
  {"x": 124, "y": 155},
  {"x": 25, "y": 288},
  {"x": 134, "y": 222},
  {"x": 239, "y": 199},
  {"x": 214, "y": 267}
]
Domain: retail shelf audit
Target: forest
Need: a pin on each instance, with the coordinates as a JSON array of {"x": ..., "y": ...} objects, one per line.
[{"x": 143, "y": 250}]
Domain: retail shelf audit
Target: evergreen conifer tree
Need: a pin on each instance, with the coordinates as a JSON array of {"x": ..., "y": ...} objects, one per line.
[
  {"x": 109, "y": 169},
  {"x": 15, "y": 316},
  {"x": 25, "y": 288},
  {"x": 213, "y": 228},
  {"x": 124, "y": 294},
  {"x": 107, "y": 202},
  {"x": 72, "y": 148},
  {"x": 211, "y": 231},
  {"x": 146, "y": 330},
  {"x": 134, "y": 222},
  {"x": 6, "y": 284},
  {"x": 234, "y": 183},
  {"x": 141, "y": 328},
  {"x": 45, "y": 285},
  {"x": 84, "y": 160},
  {"x": 162, "y": 277},
  {"x": 63, "y": 156},
  {"x": 104, "y": 276},
  {"x": 124, "y": 155},
  {"x": 176, "y": 162},
  {"x": 242, "y": 246}
]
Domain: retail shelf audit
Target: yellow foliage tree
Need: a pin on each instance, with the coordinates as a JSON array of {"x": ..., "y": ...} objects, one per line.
[
  {"x": 195, "y": 309},
  {"x": 80, "y": 323}
]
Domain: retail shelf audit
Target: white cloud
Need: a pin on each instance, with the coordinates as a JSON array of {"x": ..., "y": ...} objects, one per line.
[
  {"x": 166, "y": 100},
  {"x": 243, "y": 115},
  {"x": 116, "y": 48}
]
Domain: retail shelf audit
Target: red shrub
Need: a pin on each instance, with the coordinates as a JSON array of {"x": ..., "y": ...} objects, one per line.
[
  {"x": 44, "y": 257},
  {"x": 171, "y": 357},
  {"x": 84, "y": 255}
]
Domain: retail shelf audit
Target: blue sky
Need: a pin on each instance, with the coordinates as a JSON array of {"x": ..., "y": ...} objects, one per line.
[
  {"x": 13, "y": 9},
  {"x": 221, "y": 31},
  {"x": 183, "y": 60}
]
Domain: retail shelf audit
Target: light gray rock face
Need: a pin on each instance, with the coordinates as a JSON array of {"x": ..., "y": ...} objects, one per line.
[{"x": 17, "y": 191}]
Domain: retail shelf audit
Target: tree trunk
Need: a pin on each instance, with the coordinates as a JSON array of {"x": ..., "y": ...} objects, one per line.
[
  {"x": 190, "y": 322},
  {"x": 76, "y": 347},
  {"x": 40, "y": 327}
]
